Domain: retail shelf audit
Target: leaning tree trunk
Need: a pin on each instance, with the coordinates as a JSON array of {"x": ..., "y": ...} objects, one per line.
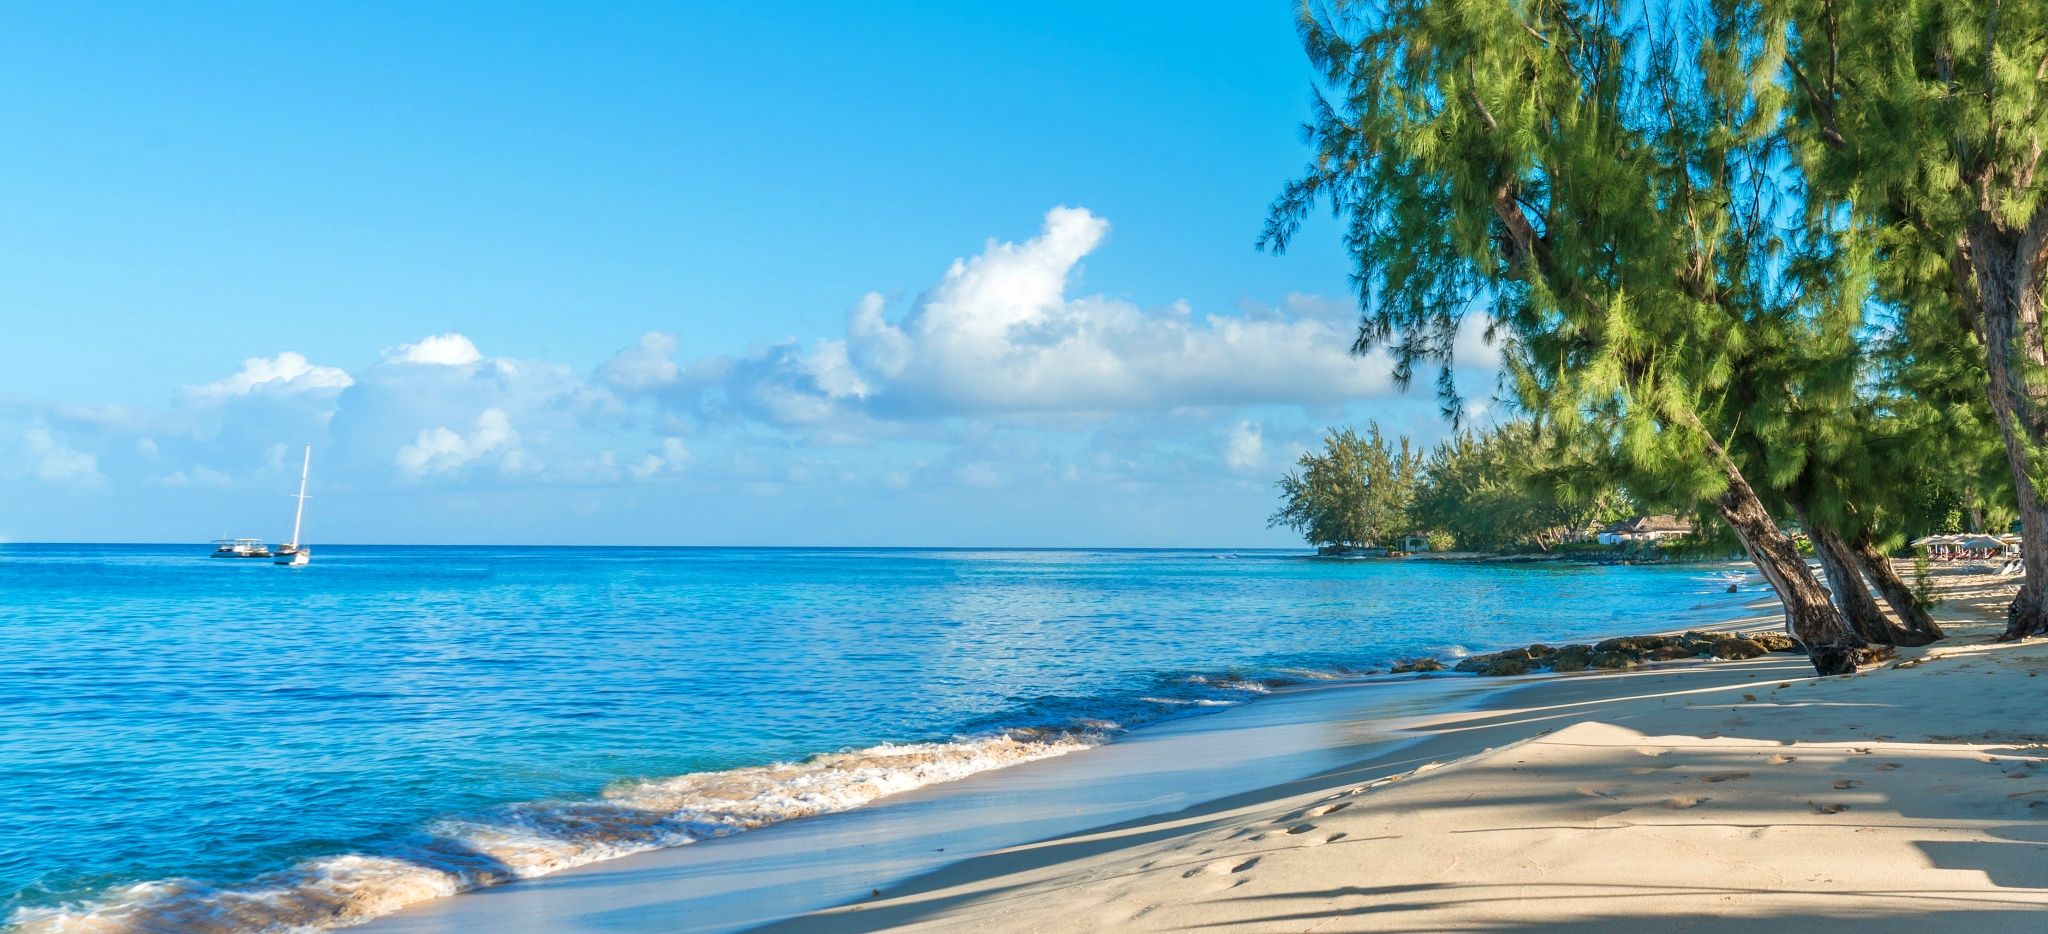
[
  {"x": 1895, "y": 592},
  {"x": 1831, "y": 645},
  {"x": 2008, "y": 274},
  {"x": 1844, "y": 577}
]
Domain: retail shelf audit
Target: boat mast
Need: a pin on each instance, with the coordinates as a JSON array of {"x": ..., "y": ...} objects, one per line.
[{"x": 300, "y": 517}]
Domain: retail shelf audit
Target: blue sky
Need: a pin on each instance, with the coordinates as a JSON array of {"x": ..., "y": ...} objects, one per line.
[{"x": 973, "y": 274}]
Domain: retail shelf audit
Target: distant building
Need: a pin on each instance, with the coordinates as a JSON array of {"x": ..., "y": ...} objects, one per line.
[
  {"x": 1644, "y": 529},
  {"x": 1415, "y": 543}
]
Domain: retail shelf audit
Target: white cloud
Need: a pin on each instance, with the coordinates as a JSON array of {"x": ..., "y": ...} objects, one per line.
[
  {"x": 999, "y": 334},
  {"x": 1245, "y": 451},
  {"x": 441, "y": 450},
  {"x": 449, "y": 349},
  {"x": 1005, "y": 372},
  {"x": 643, "y": 366},
  {"x": 287, "y": 372},
  {"x": 53, "y": 461},
  {"x": 669, "y": 459}
]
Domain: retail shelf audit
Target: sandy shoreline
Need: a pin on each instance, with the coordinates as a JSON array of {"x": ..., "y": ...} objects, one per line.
[
  {"x": 1684, "y": 796},
  {"x": 1703, "y": 797}
]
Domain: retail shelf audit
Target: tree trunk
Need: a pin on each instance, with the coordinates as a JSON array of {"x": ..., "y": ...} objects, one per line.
[
  {"x": 1911, "y": 614},
  {"x": 2008, "y": 276},
  {"x": 1831, "y": 645},
  {"x": 1838, "y": 561},
  {"x": 1842, "y": 576}
]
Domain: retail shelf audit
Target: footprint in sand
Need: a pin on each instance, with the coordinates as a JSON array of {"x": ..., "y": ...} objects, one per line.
[
  {"x": 1829, "y": 808},
  {"x": 1335, "y": 837},
  {"x": 1846, "y": 783},
  {"x": 1300, "y": 829},
  {"x": 1780, "y": 759},
  {"x": 1683, "y": 803},
  {"x": 1888, "y": 766},
  {"x": 1326, "y": 809},
  {"x": 1718, "y": 777},
  {"x": 1221, "y": 867}
]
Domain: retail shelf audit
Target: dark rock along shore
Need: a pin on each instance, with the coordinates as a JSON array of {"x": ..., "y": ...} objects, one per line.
[{"x": 1613, "y": 654}]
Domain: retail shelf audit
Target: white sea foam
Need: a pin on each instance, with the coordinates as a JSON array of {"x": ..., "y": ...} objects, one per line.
[
  {"x": 535, "y": 839},
  {"x": 1228, "y": 684},
  {"x": 1190, "y": 701}
]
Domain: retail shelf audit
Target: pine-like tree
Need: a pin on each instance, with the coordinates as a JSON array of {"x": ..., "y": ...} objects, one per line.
[
  {"x": 1612, "y": 194},
  {"x": 1355, "y": 493},
  {"x": 1928, "y": 120}
]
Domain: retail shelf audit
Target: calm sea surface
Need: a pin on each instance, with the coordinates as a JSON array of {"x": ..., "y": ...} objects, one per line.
[{"x": 242, "y": 733}]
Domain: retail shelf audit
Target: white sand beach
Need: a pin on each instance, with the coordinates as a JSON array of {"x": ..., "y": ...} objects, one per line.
[{"x": 1693, "y": 796}]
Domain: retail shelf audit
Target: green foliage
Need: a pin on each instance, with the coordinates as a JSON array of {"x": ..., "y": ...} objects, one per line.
[
  {"x": 1611, "y": 190},
  {"x": 1922, "y": 124},
  {"x": 1355, "y": 493},
  {"x": 1501, "y": 490},
  {"x": 1923, "y": 584},
  {"x": 1721, "y": 243}
]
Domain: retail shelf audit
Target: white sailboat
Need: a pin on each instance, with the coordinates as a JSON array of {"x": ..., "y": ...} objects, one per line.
[{"x": 295, "y": 554}]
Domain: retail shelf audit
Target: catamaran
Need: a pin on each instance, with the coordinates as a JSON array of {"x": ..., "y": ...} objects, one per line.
[
  {"x": 240, "y": 548},
  {"x": 294, "y": 554}
]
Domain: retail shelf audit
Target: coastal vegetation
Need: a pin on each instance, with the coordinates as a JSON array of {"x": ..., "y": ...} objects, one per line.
[
  {"x": 1498, "y": 490},
  {"x": 1777, "y": 261},
  {"x": 1355, "y": 493},
  {"x": 1481, "y": 490}
]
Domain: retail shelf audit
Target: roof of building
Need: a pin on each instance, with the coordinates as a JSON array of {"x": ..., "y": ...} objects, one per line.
[{"x": 1638, "y": 525}]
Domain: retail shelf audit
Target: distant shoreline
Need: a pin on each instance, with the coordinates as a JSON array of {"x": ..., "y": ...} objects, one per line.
[{"x": 1529, "y": 557}]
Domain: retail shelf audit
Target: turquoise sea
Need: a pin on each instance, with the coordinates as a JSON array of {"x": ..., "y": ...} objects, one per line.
[{"x": 195, "y": 743}]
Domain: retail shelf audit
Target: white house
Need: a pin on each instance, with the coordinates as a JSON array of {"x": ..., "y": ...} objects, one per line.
[{"x": 1644, "y": 529}]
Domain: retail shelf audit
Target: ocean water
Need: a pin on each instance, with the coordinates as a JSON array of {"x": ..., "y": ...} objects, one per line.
[{"x": 189, "y": 743}]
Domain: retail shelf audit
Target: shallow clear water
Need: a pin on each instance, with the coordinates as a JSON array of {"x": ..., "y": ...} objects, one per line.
[{"x": 164, "y": 715}]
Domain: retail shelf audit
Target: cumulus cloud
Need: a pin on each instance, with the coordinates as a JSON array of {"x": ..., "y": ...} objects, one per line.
[
  {"x": 1000, "y": 334},
  {"x": 443, "y": 450},
  {"x": 449, "y": 349},
  {"x": 287, "y": 372},
  {"x": 53, "y": 461}
]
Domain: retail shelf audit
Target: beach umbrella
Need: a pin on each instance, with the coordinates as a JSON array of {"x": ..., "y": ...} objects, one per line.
[
  {"x": 2010, "y": 538},
  {"x": 1927, "y": 540},
  {"x": 1977, "y": 541}
]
